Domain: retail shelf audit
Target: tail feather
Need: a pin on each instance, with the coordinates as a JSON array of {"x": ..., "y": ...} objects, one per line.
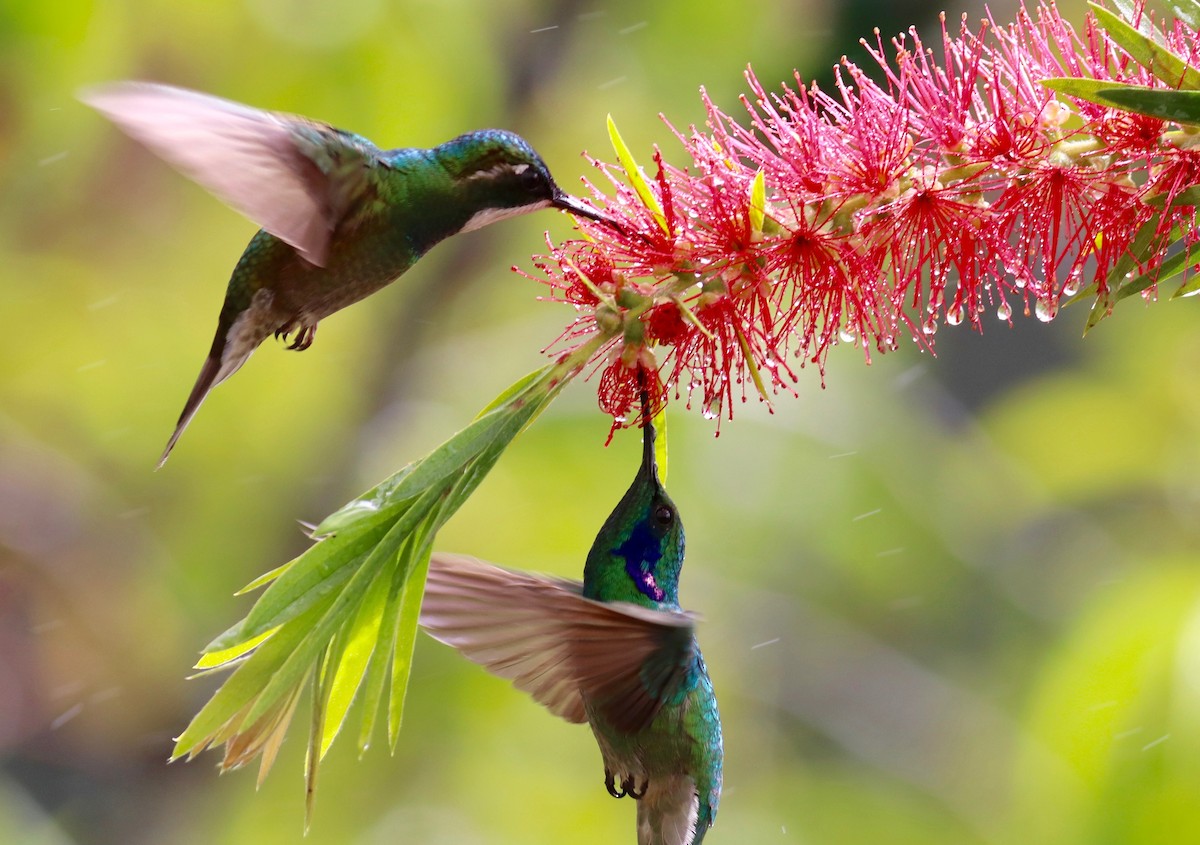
[
  {"x": 669, "y": 811},
  {"x": 220, "y": 364},
  {"x": 205, "y": 382}
]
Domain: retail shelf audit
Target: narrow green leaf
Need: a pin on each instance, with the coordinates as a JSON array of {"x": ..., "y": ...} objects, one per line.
[
  {"x": 660, "y": 444},
  {"x": 245, "y": 684},
  {"x": 348, "y": 598},
  {"x": 1171, "y": 267},
  {"x": 1187, "y": 11},
  {"x": 265, "y": 578},
  {"x": 1188, "y": 196},
  {"x": 379, "y": 670},
  {"x": 522, "y": 384},
  {"x": 416, "y": 478},
  {"x": 1147, "y": 51},
  {"x": 1179, "y": 106},
  {"x": 758, "y": 203},
  {"x": 1188, "y": 288},
  {"x": 636, "y": 179},
  {"x": 213, "y": 659},
  {"x": 406, "y": 637},
  {"x": 361, "y": 637},
  {"x": 316, "y": 728},
  {"x": 318, "y": 572}
]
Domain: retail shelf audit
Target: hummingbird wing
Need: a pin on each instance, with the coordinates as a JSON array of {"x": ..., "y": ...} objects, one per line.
[
  {"x": 294, "y": 177},
  {"x": 558, "y": 646}
]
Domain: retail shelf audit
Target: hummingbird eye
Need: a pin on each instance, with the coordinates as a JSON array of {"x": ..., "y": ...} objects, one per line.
[
  {"x": 530, "y": 179},
  {"x": 664, "y": 515}
]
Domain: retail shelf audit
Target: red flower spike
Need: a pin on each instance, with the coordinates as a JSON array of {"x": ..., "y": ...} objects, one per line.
[{"x": 953, "y": 185}]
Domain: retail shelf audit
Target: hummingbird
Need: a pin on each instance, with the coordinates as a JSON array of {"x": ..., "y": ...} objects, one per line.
[
  {"x": 340, "y": 218},
  {"x": 615, "y": 651}
]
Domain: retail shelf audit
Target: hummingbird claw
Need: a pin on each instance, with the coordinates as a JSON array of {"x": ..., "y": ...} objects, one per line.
[
  {"x": 610, "y": 783},
  {"x": 629, "y": 787},
  {"x": 304, "y": 335},
  {"x": 304, "y": 338}
]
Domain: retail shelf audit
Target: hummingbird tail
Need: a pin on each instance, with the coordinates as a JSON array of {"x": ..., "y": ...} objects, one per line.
[
  {"x": 204, "y": 383},
  {"x": 669, "y": 811}
]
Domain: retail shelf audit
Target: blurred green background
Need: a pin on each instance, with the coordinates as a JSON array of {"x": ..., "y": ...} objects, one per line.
[{"x": 950, "y": 600}]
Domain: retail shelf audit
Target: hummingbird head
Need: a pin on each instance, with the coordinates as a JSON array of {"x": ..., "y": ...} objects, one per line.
[
  {"x": 503, "y": 177},
  {"x": 638, "y": 553}
]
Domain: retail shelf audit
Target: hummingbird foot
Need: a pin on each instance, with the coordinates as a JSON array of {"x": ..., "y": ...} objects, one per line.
[
  {"x": 304, "y": 337},
  {"x": 610, "y": 783},
  {"x": 628, "y": 786}
]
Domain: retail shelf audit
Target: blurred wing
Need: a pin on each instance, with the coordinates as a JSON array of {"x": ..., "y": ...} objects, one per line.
[
  {"x": 294, "y": 177},
  {"x": 556, "y": 645}
]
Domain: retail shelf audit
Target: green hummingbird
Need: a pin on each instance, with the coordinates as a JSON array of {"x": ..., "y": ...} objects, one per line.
[
  {"x": 340, "y": 217},
  {"x": 615, "y": 651}
]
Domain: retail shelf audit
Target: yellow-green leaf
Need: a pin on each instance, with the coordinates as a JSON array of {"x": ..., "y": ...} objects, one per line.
[
  {"x": 636, "y": 178},
  {"x": 758, "y": 203}
]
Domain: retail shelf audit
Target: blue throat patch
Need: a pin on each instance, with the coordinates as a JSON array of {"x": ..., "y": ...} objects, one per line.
[{"x": 642, "y": 553}]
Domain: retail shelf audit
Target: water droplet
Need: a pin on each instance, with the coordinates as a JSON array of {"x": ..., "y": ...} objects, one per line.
[
  {"x": 709, "y": 414},
  {"x": 1072, "y": 287},
  {"x": 847, "y": 335},
  {"x": 1004, "y": 311},
  {"x": 1046, "y": 310},
  {"x": 954, "y": 314},
  {"x": 929, "y": 327}
]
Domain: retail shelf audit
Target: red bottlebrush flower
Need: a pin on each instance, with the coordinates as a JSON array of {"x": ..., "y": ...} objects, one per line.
[{"x": 954, "y": 183}]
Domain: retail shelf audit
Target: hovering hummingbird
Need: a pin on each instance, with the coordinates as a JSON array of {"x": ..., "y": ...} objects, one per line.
[
  {"x": 340, "y": 217},
  {"x": 615, "y": 651}
]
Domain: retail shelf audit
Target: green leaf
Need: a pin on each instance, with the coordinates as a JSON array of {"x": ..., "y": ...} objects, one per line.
[
  {"x": 406, "y": 637},
  {"x": 378, "y": 672},
  {"x": 660, "y": 444},
  {"x": 1143, "y": 244},
  {"x": 1189, "y": 287},
  {"x": 521, "y": 384},
  {"x": 758, "y": 203},
  {"x": 1179, "y": 106},
  {"x": 1147, "y": 51},
  {"x": 1188, "y": 196},
  {"x": 316, "y": 573},
  {"x": 361, "y": 637},
  {"x": 213, "y": 659},
  {"x": 343, "y": 615},
  {"x": 1187, "y": 11},
  {"x": 265, "y": 578},
  {"x": 636, "y": 179},
  {"x": 244, "y": 685}
]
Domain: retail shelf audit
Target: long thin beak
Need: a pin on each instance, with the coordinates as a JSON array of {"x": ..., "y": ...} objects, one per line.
[
  {"x": 568, "y": 203},
  {"x": 649, "y": 463}
]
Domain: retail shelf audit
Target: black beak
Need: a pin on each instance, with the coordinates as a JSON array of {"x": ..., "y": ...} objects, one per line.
[
  {"x": 570, "y": 204},
  {"x": 649, "y": 464}
]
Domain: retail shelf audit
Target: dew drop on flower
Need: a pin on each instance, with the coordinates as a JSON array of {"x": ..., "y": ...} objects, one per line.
[
  {"x": 847, "y": 335},
  {"x": 1004, "y": 311},
  {"x": 954, "y": 314},
  {"x": 1073, "y": 286},
  {"x": 929, "y": 326},
  {"x": 709, "y": 414},
  {"x": 1046, "y": 310}
]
